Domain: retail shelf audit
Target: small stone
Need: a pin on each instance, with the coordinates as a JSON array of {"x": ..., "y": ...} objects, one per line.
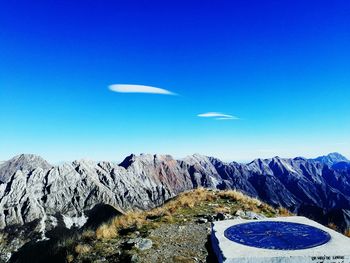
[
  {"x": 202, "y": 220},
  {"x": 240, "y": 213},
  {"x": 132, "y": 241},
  {"x": 100, "y": 260},
  {"x": 144, "y": 244},
  {"x": 228, "y": 216},
  {"x": 252, "y": 215}
]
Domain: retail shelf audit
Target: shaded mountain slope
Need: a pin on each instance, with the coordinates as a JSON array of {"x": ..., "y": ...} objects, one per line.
[{"x": 37, "y": 191}]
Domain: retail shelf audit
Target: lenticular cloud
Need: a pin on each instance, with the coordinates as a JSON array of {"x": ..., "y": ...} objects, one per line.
[
  {"x": 129, "y": 88},
  {"x": 218, "y": 116}
]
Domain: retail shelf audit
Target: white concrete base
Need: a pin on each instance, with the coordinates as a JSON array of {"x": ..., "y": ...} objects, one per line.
[{"x": 337, "y": 250}]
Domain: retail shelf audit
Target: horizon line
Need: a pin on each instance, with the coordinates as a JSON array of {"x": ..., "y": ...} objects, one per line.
[{"x": 225, "y": 160}]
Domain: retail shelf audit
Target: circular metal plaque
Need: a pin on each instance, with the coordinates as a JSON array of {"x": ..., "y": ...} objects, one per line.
[{"x": 277, "y": 235}]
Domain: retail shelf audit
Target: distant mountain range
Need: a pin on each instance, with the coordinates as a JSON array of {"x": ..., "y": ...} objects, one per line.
[{"x": 32, "y": 190}]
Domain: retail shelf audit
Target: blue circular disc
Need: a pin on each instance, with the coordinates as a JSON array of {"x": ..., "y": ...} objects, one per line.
[{"x": 277, "y": 235}]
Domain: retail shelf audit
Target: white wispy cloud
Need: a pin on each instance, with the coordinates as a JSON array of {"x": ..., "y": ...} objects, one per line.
[
  {"x": 130, "y": 88},
  {"x": 218, "y": 116}
]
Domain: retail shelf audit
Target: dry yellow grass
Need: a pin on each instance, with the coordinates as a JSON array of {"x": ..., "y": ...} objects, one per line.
[
  {"x": 284, "y": 212},
  {"x": 222, "y": 209},
  {"x": 239, "y": 197},
  {"x": 82, "y": 249},
  {"x": 106, "y": 231},
  {"x": 130, "y": 219},
  {"x": 189, "y": 199},
  {"x": 70, "y": 258},
  {"x": 157, "y": 212},
  {"x": 347, "y": 232},
  {"x": 168, "y": 219},
  {"x": 138, "y": 219},
  {"x": 88, "y": 235},
  {"x": 332, "y": 226}
]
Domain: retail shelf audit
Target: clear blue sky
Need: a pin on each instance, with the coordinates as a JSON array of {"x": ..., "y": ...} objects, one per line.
[{"x": 282, "y": 67}]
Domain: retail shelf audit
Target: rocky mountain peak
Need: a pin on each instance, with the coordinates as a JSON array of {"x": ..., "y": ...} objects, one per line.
[
  {"x": 128, "y": 161},
  {"x": 23, "y": 162},
  {"x": 259, "y": 162},
  {"x": 196, "y": 158},
  {"x": 299, "y": 158},
  {"x": 145, "y": 159},
  {"x": 337, "y": 156},
  {"x": 28, "y": 158},
  {"x": 84, "y": 162},
  {"x": 331, "y": 159}
]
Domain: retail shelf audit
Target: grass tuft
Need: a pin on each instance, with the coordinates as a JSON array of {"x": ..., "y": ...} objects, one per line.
[
  {"x": 106, "y": 231},
  {"x": 332, "y": 226},
  {"x": 284, "y": 212},
  {"x": 70, "y": 258},
  {"x": 88, "y": 235},
  {"x": 82, "y": 249}
]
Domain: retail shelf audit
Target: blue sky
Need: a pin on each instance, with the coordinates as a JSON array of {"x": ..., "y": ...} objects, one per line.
[{"x": 281, "y": 67}]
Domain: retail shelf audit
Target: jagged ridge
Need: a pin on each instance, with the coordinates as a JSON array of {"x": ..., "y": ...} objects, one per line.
[{"x": 34, "y": 189}]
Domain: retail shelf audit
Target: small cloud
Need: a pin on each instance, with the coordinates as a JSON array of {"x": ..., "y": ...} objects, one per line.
[
  {"x": 218, "y": 116},
  {"x": 227, "y": 118},
  {"x": 129, "y": 88}
]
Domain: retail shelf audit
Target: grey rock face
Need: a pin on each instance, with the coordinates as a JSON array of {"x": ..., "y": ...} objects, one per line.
[
  {"x": 34, "y": 190},
  {"x": 70, "y": 189},
  {"x": 23, "y": 162}
]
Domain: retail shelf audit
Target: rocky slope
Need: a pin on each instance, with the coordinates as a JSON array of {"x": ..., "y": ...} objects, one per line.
[
  {"x": 177, "y": 231},
  {"x": 34, "y": 192}
]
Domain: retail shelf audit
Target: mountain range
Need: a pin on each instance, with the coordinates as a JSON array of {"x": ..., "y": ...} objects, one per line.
[{"x": 32, "y": 191}]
